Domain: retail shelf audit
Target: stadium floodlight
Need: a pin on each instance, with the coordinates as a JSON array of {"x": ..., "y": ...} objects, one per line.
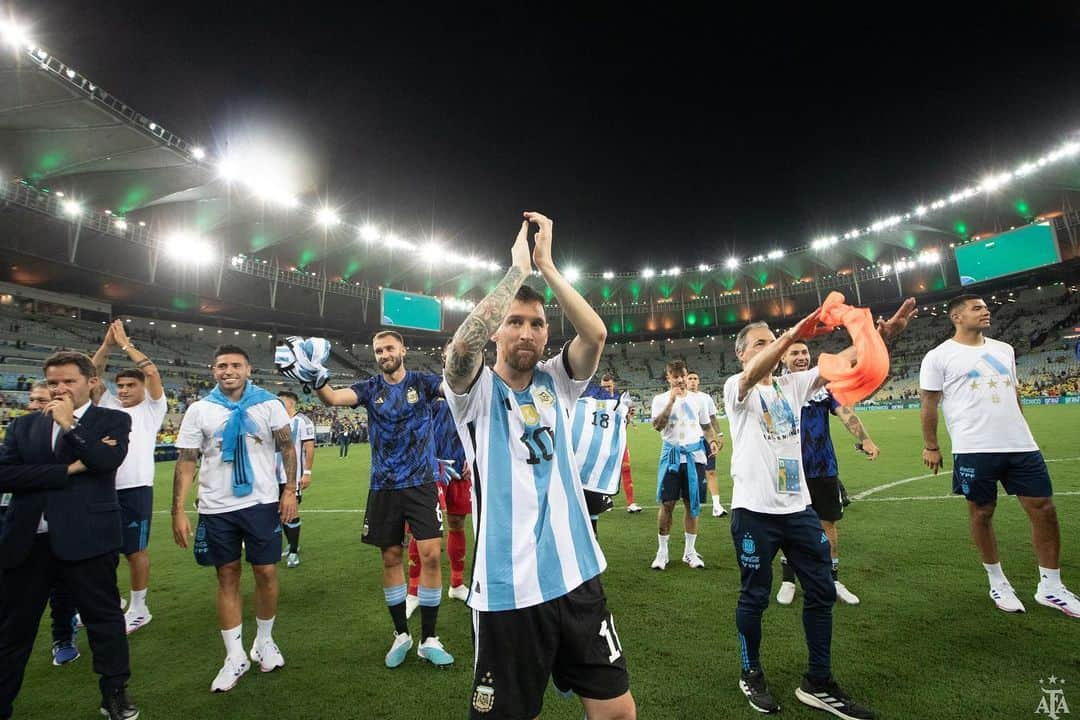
[
  {"x": 732, "y": 263},
  {"x": 886, "y": 268},
  {"x": 493, "y": 266},
  {"x": 198, "y": 153},
  {"x": 993, "y": 182},
  {"x": 72, "y": 208},
  {"x": 14, "y": 34},
  {"x": 369, "y": 232},
  {"x": 188, "y": 249},
  {"x": 920, "y": 211},
  {"x": 608, "y": 275},
  {"x": 228, "y": 169},
  {"x": 776, "y": 254},
  {"x": 648, "y": 273},
  {"x": 572, "y": 274},
  {"x": 703, "y": 268},
  {"x": 70, "y": 73},
  {"x": 120, "y": 224},
  {"x": 674, "y": 272},
  {"x": 327, "y": 217}
]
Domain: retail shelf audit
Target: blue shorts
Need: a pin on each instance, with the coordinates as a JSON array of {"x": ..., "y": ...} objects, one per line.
[
  {"x": 136, "y": 509},
  {"x": 710, "y": 462},
  {"x": 219, "y": 537},
  {"x": 676, "y": 484},
  {"x": 976, "y": 475}
]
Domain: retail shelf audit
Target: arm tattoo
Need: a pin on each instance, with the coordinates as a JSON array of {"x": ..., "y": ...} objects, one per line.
[
  {"x": 284, "y": 443},
  {"x": 187, "y": 455},
  {"x": 853, "y": 424},
  {"x": 482, "y": 322}
]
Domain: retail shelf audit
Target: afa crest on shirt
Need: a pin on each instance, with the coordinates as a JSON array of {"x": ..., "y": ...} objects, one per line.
[
  {"x": 412, "y": 396},
  {"x": 530, "y": 415},
  {"x": 544, "y": 397}
]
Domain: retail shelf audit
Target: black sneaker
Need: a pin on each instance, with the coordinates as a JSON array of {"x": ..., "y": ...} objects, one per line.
[
  {"x": 830, "y": 697},
  {"x": 118, "y": 706},
  {"x": 757, "y": 692}
]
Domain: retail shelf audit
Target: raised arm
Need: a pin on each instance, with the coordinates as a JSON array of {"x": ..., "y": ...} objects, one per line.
[
  {"x": 142, "y": 362},
  {"x": 762, "y": 364},
  {"x": 101, "y": 357},
  {"x": 342, "y": 397},
  {"x": 465, "y": 353},
  {"x": 587, "y": 346},
  {"x": 887, "y": 329},
  {"x": 928, "y": 416}
]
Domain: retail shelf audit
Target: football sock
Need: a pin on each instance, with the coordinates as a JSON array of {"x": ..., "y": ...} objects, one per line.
[
  {"x": 429, "y": 610},
  {"x": 994, "y": 572},
  {"x": 265, "y": 628},
  {"x": 395, "y": 602},
  {"x": 234, "y": 641},
  {"x": 455, "y": 548}
]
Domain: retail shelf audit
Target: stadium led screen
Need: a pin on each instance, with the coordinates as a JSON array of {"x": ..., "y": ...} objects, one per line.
[
  {"x": 408, "y": 310},
  {"x": 1011, "y": 252}
]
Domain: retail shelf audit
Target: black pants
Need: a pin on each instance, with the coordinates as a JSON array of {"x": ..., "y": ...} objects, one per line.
[
  {"x": 24, "y": 590},
  {"x": 344, "y": 451}
]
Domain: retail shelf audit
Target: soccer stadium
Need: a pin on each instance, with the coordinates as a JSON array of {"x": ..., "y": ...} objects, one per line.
[{"x": 111, "y": 211}]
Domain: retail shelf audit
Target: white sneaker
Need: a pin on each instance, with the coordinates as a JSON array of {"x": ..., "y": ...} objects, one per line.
[
  {"x": 399, "y": 650},
  {"x": 229, "y": 674},
  {"x": 268, "y": 655},
  {"x": 661, "y": 560},
  {"x": 845, "y": 595},
  {"x": 411, "y": 603},
  {"x": 693, "y": 560},
  {"x": 433, "y": 651},
  {"x": 77, "y": 620},
  {"x": 1005, "y": 598},
  {"x": 633, "y": 508},
  {"x": 718, "y": 511},
  {"x": 293, "y": 561},
  {"x": 1060, "y": 598},
  {"x": 458, "y": 592},
  {"x": 135, "y": 620},
  {"x": 786, "y": 596}
]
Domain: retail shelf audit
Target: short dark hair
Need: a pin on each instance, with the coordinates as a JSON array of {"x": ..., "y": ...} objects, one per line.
[
  {"x": 231, "y": 350},
  {"x": 134, "y": 373},
  {"x": 607, "y": 376},
  {"x": 71, "y": 357},
  {"x": 388, "y": 333},
  {"x": 675, "y": 367},
  {"x": 690, "y": 372},
  {"x": 527, "y": 295},
  {"x": 960, "y": 300},
  {"x": 289, "y": 394}
]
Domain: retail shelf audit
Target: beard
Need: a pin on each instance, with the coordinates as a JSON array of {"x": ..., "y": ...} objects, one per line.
[
  {"x": 390, "y": 367},
  {"x": 523, "y": 359}
]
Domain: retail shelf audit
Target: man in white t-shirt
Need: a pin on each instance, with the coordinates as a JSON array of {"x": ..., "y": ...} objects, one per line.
[
  {"x": 303, "y": 435},
  {"x": 236, "y": 429},
  {"x": 693, "y": 381},
  {"x": 140, "y": 394},
  {"x": 539, "y": 610},
  {"x": 973, "y": 378},
  {"x": 684, "y": 425},
  {"x": 771, "y": 508}
]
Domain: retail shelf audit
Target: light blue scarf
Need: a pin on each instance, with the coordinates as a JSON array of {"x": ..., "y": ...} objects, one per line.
[
  {"x": 233, "y": 447},
  {"x": 671, "y": 456}
]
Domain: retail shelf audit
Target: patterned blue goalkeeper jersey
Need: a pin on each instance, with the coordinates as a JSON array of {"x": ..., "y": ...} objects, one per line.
[{"x": 400, "y": 429}]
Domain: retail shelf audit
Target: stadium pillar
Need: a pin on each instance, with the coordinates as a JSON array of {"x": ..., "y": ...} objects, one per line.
[
  {"x": 155, "y": 251},
  {"x": 817, "y": 289},
  {"x": 780, "y": 284},
  {"x": 855, "y": 281},
  {"x": 220, "y": 275},
  {"x": 73, "y": 241},
  {"x": 273, "y": 285},
  {"x": 322, "y": 294}
]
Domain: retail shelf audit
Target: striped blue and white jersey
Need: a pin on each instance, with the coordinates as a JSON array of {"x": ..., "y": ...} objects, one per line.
[
  {"x": 599, "y": 436},
  {"x": 302, "y": 429},
  {"x": 534, "y": 542}
]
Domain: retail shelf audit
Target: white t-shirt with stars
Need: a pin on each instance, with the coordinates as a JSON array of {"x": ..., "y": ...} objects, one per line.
[
  {"x": 978, "y": 396},
  {"x": 688, "y": 414}
]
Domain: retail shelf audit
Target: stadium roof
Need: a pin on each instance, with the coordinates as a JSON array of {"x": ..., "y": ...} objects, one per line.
[{"x": 113, "y": 202}]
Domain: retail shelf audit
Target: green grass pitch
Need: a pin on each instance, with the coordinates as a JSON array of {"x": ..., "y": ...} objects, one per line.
[{"x": 925, "y": 643}]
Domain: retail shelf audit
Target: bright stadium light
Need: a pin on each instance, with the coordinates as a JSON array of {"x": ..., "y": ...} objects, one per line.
[
  {"x": 776, "y": 254},
  {"x": 198, "y": 153},
  {"x": 703, "y": 268},
  {"x": 674, "y": 272},
  {"x": 572, "y": 274},
  {"x": 327, "y": 217},
  {"x": 14, "y": 34},
  {"x": 732, "y": 263},
  {"x": 120, "y": 224},
  {"x": 188, "y": 249},
  {"x": 608, "y": 275},
  {"x": 369, "y": 232},
  {"x": 72, "y": 208},
  {"x": 648, "y": 273}
]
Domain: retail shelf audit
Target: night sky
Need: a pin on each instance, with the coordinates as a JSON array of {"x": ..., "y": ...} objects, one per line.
[{"x": 657, "y": 137}]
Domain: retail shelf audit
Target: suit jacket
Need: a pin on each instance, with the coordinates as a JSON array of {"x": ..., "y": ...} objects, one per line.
[{"x": 82, "y": 510}]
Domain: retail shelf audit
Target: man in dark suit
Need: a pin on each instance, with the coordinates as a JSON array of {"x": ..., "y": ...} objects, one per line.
[{"x": 63, "y": 525}]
